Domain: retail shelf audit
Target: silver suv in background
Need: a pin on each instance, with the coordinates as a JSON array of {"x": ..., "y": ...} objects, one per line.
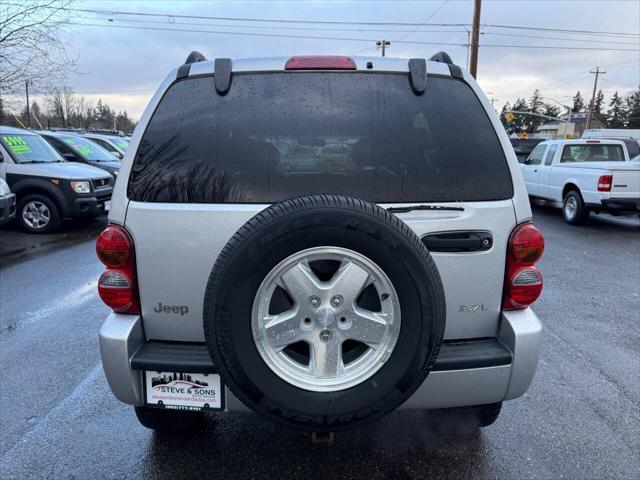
[
  {"x": 308, "y": 238},
  {"x": 114, "y": 144},
  {"x": 7, "y": 203}
]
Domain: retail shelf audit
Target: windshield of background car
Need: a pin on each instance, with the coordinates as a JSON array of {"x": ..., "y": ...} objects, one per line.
[
  {"x": 279, "y": 135},
  {"x": 30, "y": 149},
  {"x": 119, "y": 142},
  {"x": 592, "y": 153},
  {"x": 88, "y": 149},
  {"x": 524, "y": 145}
]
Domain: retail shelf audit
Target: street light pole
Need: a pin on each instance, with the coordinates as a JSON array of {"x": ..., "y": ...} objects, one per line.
[
  {"x": 26, "y": 84},
  {"x": 468, "y": 45},
  {"x": 383, "y": 44},
  {"x": 475, "y": 38},
  {"x": 593, "y": 95}
]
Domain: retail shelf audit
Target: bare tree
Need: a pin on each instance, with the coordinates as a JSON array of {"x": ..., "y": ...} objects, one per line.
[
  {"x": 31, "y": 48},
  {"x": 61, "y": 103}
]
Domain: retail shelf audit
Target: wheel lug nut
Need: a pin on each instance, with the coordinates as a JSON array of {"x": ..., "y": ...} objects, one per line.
[
  {"x": 325, "y": 335},
  {"x": 314, "y": 301},
  {"x": 336, "y": 300}
]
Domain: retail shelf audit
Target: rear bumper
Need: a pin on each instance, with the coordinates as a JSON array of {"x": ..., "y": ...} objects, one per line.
[
  {"x": 622, "y": 204},
  {"x": 7, "y": 207},
  {"x": 471, "y": 372}
]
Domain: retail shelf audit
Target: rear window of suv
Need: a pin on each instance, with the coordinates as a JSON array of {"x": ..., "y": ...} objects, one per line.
[{"x": 279, "y": 135}]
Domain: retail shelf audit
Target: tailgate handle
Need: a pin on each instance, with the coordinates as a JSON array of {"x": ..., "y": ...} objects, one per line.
[{"x": 459, "y": 241}]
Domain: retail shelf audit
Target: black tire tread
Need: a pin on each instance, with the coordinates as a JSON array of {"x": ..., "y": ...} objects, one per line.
[
  {"x": 323, "y": 201},
  {"x": 583, "y": 211},
  {"x": 54, "y": 222}
]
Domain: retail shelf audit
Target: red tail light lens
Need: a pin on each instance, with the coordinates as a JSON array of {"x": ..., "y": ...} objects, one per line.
[
  {"x": 526, "y": 244},
  {"x": 604, "y": 183},
  {"x": 320, "y": 62},
  {"x": 525, "y": 287},
  {"x": 523, "y": 282},
  {"x": 114, "y": 246},
  {"x": 118, "y": 284}
]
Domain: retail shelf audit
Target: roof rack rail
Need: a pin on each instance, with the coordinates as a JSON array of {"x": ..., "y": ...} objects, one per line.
[
  {"x": 195, "y": 57},
  {"x": 442, "y": 57}
]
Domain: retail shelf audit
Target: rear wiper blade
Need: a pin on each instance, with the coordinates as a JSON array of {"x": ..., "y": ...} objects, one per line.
[{"x": 423, "y": 207}]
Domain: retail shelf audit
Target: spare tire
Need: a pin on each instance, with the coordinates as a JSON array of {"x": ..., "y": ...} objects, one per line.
[{"x": 324, "y": 312}]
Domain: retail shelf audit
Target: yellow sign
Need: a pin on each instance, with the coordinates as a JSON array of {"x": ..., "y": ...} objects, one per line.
[
  {"x": 524, "y": 135},
  {"x": 509, "y": 116}
]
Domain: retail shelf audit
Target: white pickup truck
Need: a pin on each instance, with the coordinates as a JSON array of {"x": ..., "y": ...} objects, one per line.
[{"x": 582, "y": 176}]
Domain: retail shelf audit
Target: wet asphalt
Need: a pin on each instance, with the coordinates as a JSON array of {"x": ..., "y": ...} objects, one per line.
[{"x": 580, "y": 418}]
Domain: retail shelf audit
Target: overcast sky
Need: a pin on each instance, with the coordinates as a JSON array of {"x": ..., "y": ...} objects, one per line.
[{"x": 124, "y": 66}]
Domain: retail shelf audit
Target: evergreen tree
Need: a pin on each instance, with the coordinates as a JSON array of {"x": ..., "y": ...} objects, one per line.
[
  {"x": 536, "y": 105},
  {"x": 598, "y": 103},
  {"x": 633, "y": 109},
  {"x": 551, "y": 110},
  {"x": 506, "y": 108},
  {"x": 578, "y": 103},
  {"x": 616, "y": 116},
  {"x": 520, "y": 121}
]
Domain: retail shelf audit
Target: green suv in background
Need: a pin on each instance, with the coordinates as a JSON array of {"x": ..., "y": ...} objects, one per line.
[{"x": 47, "y": 187}]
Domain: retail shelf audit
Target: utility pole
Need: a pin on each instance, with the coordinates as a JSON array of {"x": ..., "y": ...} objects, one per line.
[
  {"x": 468, "y": 45},
  {"x": 383, "y": 44},
  {"x": 593, "y": 95},
  {"x": 26, "y": 84},
  {"x": 475, "y": 38}
]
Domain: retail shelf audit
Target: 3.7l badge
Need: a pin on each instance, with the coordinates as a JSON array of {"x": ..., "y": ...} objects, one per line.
[{"x": 472, "y": 308}]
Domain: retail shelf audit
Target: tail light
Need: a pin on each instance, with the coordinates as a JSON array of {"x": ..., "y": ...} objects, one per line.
[
  {"x": 604, "y": 183},
  {"x": 118, "y": 286},
  {"x": 523, "y": 281},
  {"x": 320, "y": 62}
]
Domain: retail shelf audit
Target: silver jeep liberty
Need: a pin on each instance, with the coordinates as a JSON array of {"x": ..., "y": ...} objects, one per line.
[{"x": 322, "y": 240}]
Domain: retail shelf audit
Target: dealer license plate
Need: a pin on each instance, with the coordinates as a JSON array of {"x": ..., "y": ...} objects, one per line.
[
  {"x": 187, "y": 391},
  {"x": 107, "y": 205}
]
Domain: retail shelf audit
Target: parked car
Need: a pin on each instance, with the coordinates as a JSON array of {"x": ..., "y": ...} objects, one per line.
[
  {"x": 7, "y": 202},
  {"x": 112, "y": 143},
  {"x": 47, "y": 187},
  {"x": 75, "y": 148},
  {"x": 582, "y": 176},
  {"x": 317, "y": 299},
  {"x": 524, "y": 146}
]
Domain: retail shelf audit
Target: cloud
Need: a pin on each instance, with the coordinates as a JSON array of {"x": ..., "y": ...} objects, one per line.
[{"x": 125, "y": 66}]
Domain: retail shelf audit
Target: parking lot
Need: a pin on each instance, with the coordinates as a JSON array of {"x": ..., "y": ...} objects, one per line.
[{"x": 580, "y": 419}]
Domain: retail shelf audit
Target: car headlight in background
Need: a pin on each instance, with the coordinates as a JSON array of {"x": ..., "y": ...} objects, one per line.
[
  {"x": 4, "y": 188},
  {"x": 81, "y": 187}
]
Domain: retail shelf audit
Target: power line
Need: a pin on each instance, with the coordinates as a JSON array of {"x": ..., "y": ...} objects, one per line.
[
  {"x": 307, "y": 28},
  {"x": 337, "y": 22},
  {"x": 564, "y": 30},
  {"x": 269, "y": 27},
  {"x": 580, "y": 74},
  {"x": 348, "y": 39},
  {"x": 251, "y": 34},
  {"x": 566, "y": 39},
  {"x": 425, "y": 21}
]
